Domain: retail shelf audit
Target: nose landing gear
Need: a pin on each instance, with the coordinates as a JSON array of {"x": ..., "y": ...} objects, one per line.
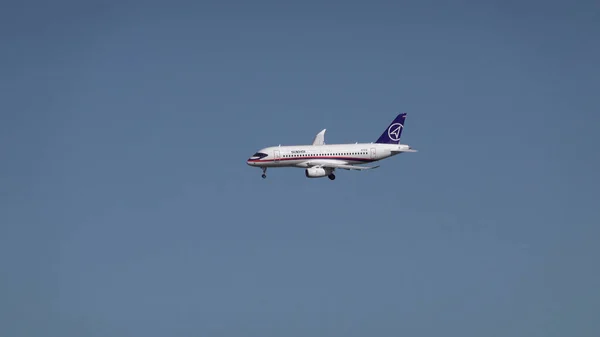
[{"x": 264, "y": 175}]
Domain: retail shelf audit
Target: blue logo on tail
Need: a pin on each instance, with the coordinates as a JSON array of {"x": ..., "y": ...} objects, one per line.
[{"x": 392, "y": 134}]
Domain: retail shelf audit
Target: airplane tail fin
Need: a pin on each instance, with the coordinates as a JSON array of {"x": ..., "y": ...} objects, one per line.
[{"x": 392, "y": 134}]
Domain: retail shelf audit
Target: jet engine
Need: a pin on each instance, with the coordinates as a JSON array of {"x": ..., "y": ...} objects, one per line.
[{"x": 317, "y": 172}]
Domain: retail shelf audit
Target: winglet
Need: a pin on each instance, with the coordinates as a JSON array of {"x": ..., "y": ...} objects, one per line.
[{"x": 320, "y": 138}]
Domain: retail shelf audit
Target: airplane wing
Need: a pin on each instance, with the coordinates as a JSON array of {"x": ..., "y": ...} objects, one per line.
[
  {"x": 350, "y": 167},
  {"x": 320, "y": 138},
  {"x": 338, "y": 164}
]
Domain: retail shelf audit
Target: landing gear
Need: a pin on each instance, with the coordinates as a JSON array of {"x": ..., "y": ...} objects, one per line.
[
  {"x": 331, "y": 176},
  {"x": 264, "y": 175}
]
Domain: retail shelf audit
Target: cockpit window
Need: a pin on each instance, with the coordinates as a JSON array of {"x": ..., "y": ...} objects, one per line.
[{"x": 259, "y": 155}]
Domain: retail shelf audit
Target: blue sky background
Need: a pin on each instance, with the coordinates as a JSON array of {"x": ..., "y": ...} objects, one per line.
[{"x": 127, "y": 209}]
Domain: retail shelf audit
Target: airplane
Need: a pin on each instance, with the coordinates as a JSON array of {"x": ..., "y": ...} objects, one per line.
[{"x": 321, "y": 160}]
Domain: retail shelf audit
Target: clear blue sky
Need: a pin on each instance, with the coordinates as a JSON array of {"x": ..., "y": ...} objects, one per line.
[{"x": 127, "y": 209}]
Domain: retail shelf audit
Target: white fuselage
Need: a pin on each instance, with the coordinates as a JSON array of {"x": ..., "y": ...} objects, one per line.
[{"x": 301, "y": 155}]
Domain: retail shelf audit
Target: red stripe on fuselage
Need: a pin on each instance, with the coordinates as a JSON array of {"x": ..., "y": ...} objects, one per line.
[{"x": 306, "y": 158}]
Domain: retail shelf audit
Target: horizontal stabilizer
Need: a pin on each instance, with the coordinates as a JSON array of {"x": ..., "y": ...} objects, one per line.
[{"x": 401, "y": 151}]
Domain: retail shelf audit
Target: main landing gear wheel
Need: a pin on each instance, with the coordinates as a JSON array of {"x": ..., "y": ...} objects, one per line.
[
  {"x": 264, "y": 175},
  {"x": 331, "y": 176}
]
